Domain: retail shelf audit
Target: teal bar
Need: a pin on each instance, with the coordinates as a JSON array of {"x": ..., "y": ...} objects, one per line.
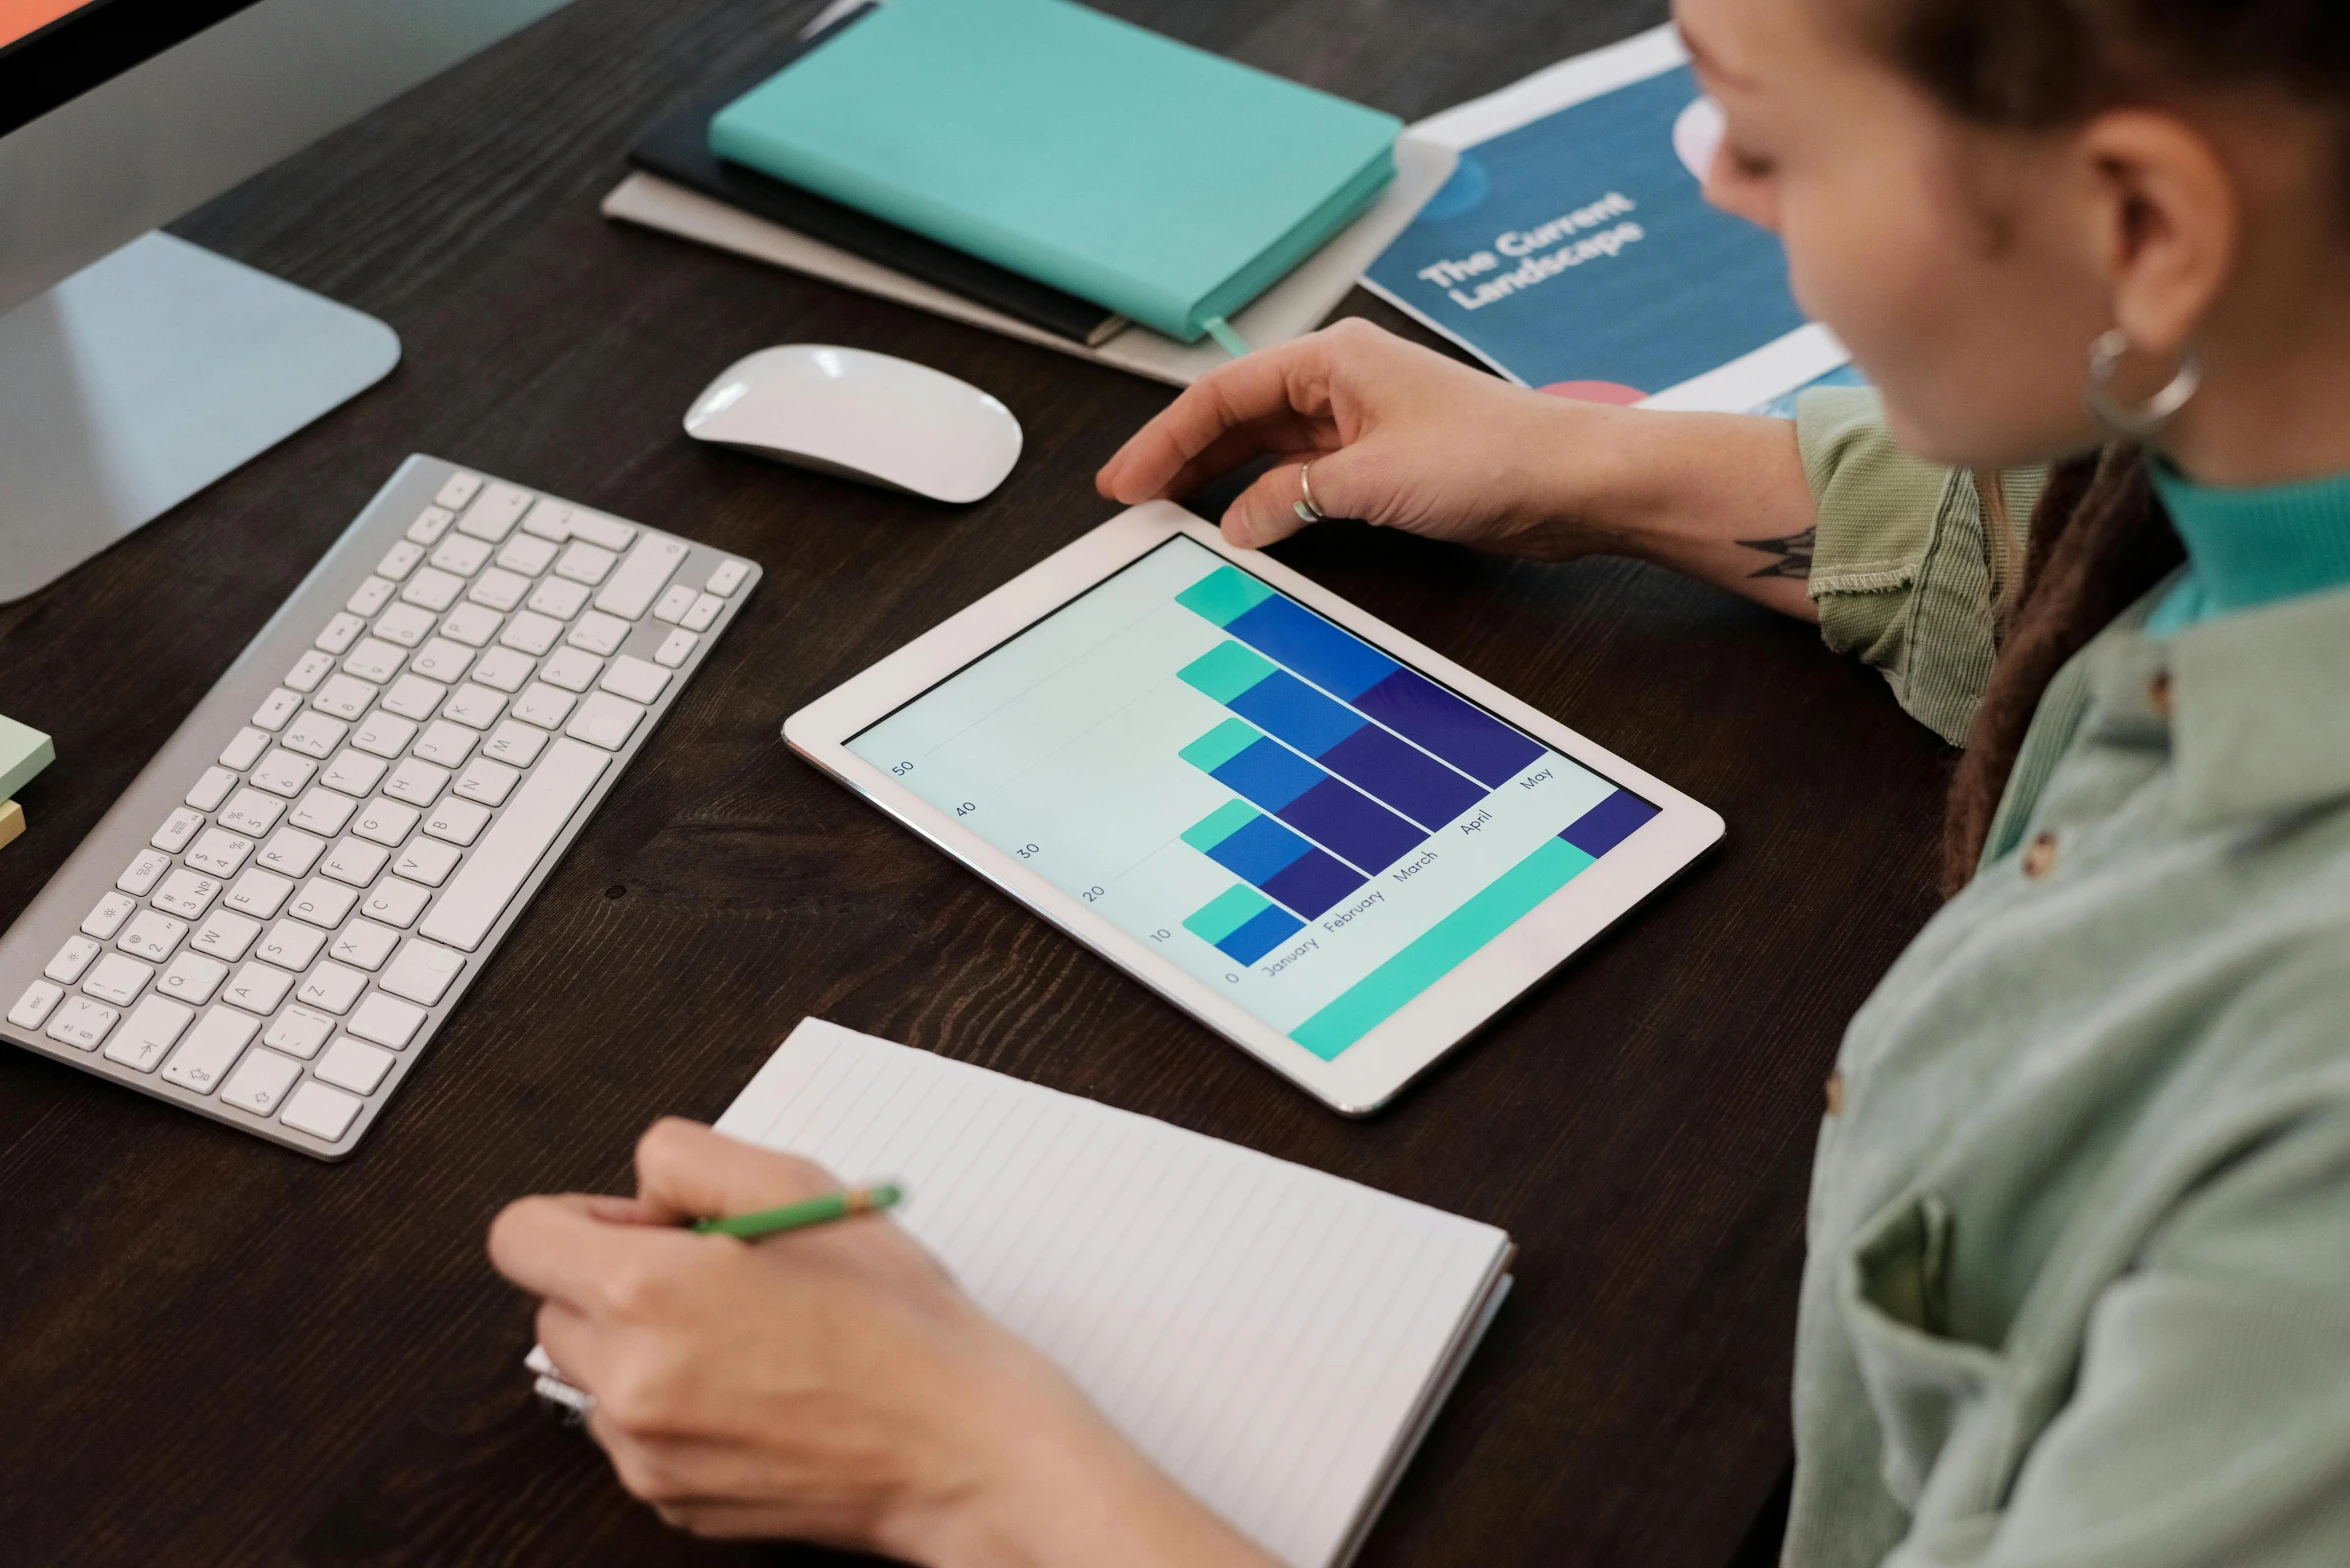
[
  {"x": 1225, "y": 671},
  {"x": 1227, "y": 913},
  {"x": 1220, "y": 745},
  {"x": 1224, "y": 595},
  {"x": 1370, "y": 1001},
  {"x": 1219, "y": 825}
]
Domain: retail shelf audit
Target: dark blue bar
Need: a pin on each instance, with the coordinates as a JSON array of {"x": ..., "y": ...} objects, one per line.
[
  {"x": 1351, "y": 825},
  {"x": 1289, "y": 633},
  {"x": 1413, "y": 782},
  {"x": 1269, "y": 774},
  {"x": 1262, "y": 849},
  {"x": 1284, "y": 706},
  {"x": 1608, "y": 824},
  {"x": 1471, "y": 739},
  {"x": 1313, "y": 884},
  {"x": 1261, "y": 935}
]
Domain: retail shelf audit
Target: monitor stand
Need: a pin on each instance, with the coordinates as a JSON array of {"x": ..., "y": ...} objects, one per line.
[{"x": 144, "y": 377}]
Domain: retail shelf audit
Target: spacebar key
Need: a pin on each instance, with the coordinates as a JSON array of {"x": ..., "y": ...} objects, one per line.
[{"x": 515, "y": 844}]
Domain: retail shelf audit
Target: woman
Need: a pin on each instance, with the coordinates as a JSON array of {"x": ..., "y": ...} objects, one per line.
[{"x": 2079, "y": 1279}]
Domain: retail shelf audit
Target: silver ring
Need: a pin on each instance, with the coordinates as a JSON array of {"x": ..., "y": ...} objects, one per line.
[
  {"x": 1307, "y": 511},
  {"x": 2146, "y": 421}
]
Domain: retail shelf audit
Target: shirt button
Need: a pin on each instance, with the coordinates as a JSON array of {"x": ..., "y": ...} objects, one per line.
[
  {"x": 2158, "y": 696},
  {"x": 1835, "y": 1094},
  {"x": 2040, "y": 855}
]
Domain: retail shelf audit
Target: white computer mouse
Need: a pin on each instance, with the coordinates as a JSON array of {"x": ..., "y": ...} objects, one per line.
[{"x": 867, "y": 416}]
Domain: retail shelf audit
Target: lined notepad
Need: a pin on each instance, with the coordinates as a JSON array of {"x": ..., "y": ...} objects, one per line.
[{"x": 1276, "y": 1338}]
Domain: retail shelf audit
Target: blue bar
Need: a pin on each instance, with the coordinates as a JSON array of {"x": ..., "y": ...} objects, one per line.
[
  {"x": 1413, "y": 782},
  {"x": 1469, "y": 738},
  {"x": 1262, "y": 849},
  {"x": 1291, "y": 634},
  {"x": 1352, "y": 825},
  {"x": 1284, "y": 706},
  {"x": 1313, "y": 884},
  {"x": 1261, "y": 935},
  {"x": 1609, "y": 823},
  {"x": 1269, "y": 774}
]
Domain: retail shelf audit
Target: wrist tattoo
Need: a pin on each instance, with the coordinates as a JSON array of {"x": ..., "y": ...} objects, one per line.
[{"x": 1793, "y": 554}]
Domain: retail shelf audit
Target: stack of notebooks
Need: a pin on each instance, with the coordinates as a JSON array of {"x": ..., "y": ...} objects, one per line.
[
  {"x": 24, "y": 752},
  {"x": 1040, "y": 169}
]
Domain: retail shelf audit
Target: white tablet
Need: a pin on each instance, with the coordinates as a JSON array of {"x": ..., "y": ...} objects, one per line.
[{"x": 1333, "y": 846}]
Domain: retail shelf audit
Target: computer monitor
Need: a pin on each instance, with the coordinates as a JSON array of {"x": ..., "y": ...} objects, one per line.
[{"x": 135, "y": 368}]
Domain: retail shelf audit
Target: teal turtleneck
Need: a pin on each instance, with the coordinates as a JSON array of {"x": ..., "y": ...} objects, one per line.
[{"x": 2251, "y": 547}]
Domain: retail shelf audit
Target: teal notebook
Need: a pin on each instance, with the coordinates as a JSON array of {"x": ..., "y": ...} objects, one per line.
[{"x": 1156, "y": 180}]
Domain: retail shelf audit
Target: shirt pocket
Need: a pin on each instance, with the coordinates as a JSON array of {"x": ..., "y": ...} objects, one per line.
[{"x": 1924, "y": 1384}]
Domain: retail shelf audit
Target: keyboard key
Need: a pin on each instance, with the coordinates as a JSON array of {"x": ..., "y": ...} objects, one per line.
[
  {"x": 472, "y": 624},
  {"x": 354, "y": 772},
  {"x": 557, "y": 599},
  {"x": 192, "y": 978},
  {"x": 427, "y": 860},
  {"x": 290, "y": 944},
  {"x": 153, "y": 1029},
  {"x": 604, "y": 720},
  {"x": 423, "y": 972},
  {"x": 292, "y": 851},
  {"x": 441, "y": 660},
  {"x": 475, "y": 706},
  {"x": 258, "y": 988},
  {"x": 430, "y": 524},
  {"x": 177, "y": 829},
  {"x": 433, "y": 589},
  {"x": 396, "y": 902},
  {"x": 187, "y": 894},
  {"x": 573, "y": 669},
  {"x": 550, "y": 520},
  {"x": 386, "y": 1020},
  {"x": 227, "y": 936},
  {"x": 586, "y": 563},
  {"x": 354, "y": 860},
  {"x": 331, "y": 988},
  {"x": 404, "y": 624},
  {"x": 81, "y": 1023},
  {"x": 494, "y": 515},
  {"x": 514, "y": 743},
  {"x": 300, "y": 1032},
  {"x": 144, "y": 871},
  {"x": 364, "y": 943},
  {"x": 340, "y": 631},
  {"x": 210, "y": 1049},
  {"x": 542, "y": 705},
  {"x": 445, "y": 743},
  {"x": 344, "y": 696},
  {"x": 324, "y": 811},
  {"x": 634, "y": 679},
  {"x": 414, "y": 697},
  {"x": 417, "y": 782},
  {"x": 372, "y": 596},
  {"x": 526, "y": 555},
  {"x": 260, "y": 894},
  {"x": 259, "y": 1082},
  {"x": 673, "y": 603},
  {"x": 251, "y": 813},
  {"x": 374, "y": 660},
  {"x": 320, "y": 1111},
  {"x": 212, "y": 789},
  {"x": 705, "y": 610},
  {"x": 399, "y": 560},
  {"x": 283, "y": 773},
  {"x": 675, "y": 649},
  {"x": 151, "y": 935},
  {"x": 116, "y": 979},
  {"x": 314, "y": 735},
  {"x": 503, "y": 669},
  {"x": 244, "y": 749},
  {"x": 511, "y": 850},
  {"x": 309, "y": 670},
  {"x": 108, "y": 917},
  {"x": 458, "y": 821},
  {"x": 279, "y": 706},
  {"x": 641, "y": 575},
  {"x": 71, "y": 960},
  {"x": 499, "y": 588},
  {"x": 598, "y": 632},
  {"x": 350, "y": 1064},
  {"x": 219, "y": 854},
  {"x": 384, "y": 821},
  {"x": 321, "y": 903},
  {"x": 384, "y": 734},
  {"x": 459, "y": 488},
  {"x": 460, "y": 556},
  {"x": 531, "y": 633},
  {"x": 486, "y": 781},
  {"x": 595, "y": 528},
  {"x": 728, "y": 577},
  {"x": 34, "y": 1006}
]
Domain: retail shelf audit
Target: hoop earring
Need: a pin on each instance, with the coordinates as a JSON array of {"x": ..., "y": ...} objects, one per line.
[{"x": 2146, "y": 421}]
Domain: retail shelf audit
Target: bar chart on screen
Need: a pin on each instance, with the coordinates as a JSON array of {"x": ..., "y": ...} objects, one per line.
[{"x": 1289, "y": 814}]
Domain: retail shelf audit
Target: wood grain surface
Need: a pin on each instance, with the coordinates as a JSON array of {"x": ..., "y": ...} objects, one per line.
[{"x": 213, "y": 1351}]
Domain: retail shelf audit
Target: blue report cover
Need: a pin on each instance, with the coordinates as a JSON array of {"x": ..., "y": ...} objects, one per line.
[{"x": 1573, "y": 249}]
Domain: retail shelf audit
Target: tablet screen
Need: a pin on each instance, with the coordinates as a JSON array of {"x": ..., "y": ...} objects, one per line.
[{"x": 1313, "y": 828}]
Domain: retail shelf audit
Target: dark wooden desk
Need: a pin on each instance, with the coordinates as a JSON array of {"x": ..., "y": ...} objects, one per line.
[{"x": 212, "y": 1351}]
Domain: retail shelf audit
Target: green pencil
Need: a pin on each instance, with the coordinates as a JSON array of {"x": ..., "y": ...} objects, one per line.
[{"x": 808, "y": 1211}]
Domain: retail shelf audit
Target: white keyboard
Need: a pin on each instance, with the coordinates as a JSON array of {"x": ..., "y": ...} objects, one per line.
[{"x": 273, "y": 920}]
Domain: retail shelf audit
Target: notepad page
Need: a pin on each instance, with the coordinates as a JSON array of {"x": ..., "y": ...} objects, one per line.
[{"x": 1261, "y": 1330}]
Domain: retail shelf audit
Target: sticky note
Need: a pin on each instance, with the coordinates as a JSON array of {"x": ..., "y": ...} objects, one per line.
[
  {"x": 11, "y": 821},
  {"x": 24, "y": 752}
]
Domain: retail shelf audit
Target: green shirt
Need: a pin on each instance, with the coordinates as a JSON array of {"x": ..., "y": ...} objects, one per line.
[{"x": 2078, "y": 1289}]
